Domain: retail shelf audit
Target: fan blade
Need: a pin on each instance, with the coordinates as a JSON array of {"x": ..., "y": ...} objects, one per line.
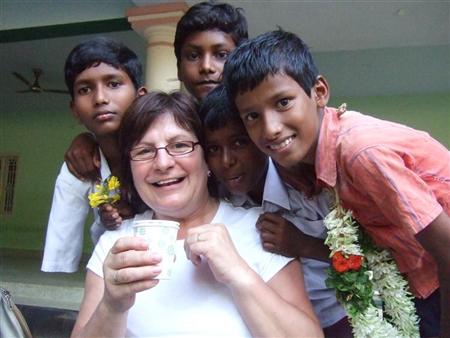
[
  {"x": 20, "y": 77},
  {"x": 59, "y": 91}
]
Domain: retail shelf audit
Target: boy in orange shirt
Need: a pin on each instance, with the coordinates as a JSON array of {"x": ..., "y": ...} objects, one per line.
[{"x": 395, "y": 179}]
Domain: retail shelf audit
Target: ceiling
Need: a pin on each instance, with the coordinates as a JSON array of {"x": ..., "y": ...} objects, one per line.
[{"x": 410, "y": 39}]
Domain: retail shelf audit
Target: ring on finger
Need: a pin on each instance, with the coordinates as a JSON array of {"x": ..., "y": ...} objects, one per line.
[
  {"x": 116, "y": 280},
  {"x": 198, "y": 238}
]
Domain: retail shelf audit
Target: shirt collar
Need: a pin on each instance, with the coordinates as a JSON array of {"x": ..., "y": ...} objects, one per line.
[
  {"x": 275, "y": 191},
  {"x": 325, "y": 161},
  {"x": 243, "y": 201},
  {"x": 105, "y": 172}
]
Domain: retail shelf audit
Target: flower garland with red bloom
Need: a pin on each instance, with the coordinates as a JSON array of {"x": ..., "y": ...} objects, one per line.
[
  {"x": 342, "y": 264},
  {"x": 367, "y": 281}
]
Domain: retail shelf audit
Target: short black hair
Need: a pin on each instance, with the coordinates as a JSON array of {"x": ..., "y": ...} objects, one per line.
[
  {"x": 211, "y": 16},
  {"x": 269, "y": 54},
  {"x": 216, "y": 110},
  {"x": 102, "y": 49}
]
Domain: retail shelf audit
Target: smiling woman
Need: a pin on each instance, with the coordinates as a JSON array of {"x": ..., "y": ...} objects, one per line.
[{"x": 222, "y": 282}]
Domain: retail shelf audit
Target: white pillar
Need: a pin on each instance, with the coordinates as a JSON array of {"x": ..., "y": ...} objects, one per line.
[{"x": 157, "y": 23}]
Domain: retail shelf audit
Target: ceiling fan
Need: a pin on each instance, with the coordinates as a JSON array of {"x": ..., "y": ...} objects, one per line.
[{"x": 35, "y": 87}]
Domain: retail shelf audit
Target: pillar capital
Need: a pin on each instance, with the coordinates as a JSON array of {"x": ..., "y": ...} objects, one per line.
[
  {"x": 156, "y": 23},
  {"x": 156, "y": 20}
]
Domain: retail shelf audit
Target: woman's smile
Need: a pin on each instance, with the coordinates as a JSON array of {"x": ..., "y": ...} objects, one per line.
[{"x": 168, "y": 182}]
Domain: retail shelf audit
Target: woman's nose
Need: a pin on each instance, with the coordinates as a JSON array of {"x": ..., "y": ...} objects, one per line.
[{"x": 163, "y": 160}]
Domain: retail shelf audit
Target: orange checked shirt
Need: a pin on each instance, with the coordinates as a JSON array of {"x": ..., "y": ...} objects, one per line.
[{"x": 395, "y": 179}]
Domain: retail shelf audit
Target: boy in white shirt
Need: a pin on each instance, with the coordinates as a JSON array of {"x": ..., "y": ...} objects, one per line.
[
  {"x": 103, "y": 77},
  {"x": 291, "y": 223}
]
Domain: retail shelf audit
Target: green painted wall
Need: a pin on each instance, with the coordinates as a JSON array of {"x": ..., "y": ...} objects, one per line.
[
  {"x": 429, "y": 112},
  {"x": 40, "y": 137}
]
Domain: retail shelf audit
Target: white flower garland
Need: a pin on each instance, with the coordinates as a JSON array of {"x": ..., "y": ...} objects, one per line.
[{"x": 396, "y": 317}]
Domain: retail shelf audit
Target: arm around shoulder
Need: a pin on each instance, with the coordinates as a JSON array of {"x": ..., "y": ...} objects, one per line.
[{"x": 82, "y": 157}]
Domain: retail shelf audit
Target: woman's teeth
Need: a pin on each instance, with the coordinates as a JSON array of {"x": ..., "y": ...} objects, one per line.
[{"x": 167, "y": 182}]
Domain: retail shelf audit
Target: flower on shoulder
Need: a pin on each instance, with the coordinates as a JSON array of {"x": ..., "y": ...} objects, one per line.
[{"x": 106, "y": 192}]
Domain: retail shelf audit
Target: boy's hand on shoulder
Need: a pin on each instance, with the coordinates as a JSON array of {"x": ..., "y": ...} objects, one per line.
[
  {"x": 278, "y": 235},
  {"x": 83, "y": 158}
]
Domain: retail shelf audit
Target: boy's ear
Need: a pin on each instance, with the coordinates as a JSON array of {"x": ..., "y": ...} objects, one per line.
[
  {"x": 321, "y": 91},
  {"x": 141, "y": 91}
]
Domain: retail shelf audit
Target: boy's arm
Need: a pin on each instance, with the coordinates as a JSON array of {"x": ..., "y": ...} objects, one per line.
[
  {"x": 407, "y": 200},
  {"x": 83, "y": 158},
  {"x": 435, "y": 238},
  {"x": 280, "y": 236},
  {"x": 64, "y": 238}
]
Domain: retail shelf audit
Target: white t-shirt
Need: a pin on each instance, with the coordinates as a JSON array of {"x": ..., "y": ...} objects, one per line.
[
  {"x": 192, "y": 303},
  {"x": 65, "y": 229}
]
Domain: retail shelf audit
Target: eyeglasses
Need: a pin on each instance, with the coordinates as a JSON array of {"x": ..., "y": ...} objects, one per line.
[{"x": 178, "y": 148}]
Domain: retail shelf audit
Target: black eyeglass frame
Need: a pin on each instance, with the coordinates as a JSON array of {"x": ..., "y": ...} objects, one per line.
[{"x": 192, "y": 144}]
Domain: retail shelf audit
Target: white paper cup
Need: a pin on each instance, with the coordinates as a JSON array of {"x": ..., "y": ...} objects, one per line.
[{"x": 161, "y": 236}]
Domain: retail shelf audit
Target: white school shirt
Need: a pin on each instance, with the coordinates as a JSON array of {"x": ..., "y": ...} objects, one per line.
[
  {"x": 307, "y": 214},
  {"x": 65, "y": 229},
  {"x": 192, "y": 303}
]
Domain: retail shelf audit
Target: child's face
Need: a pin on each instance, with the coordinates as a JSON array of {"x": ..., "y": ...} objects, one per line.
[
  {"x": 282, "y": 120},
  {"x": 102, "y": 93},
  {"x": 203, "y": 55},
  {"x": 234, "y": 159}
]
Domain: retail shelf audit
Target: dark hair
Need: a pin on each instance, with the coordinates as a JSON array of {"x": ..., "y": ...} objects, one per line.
[
  {"x": 211, "y": 16},
  {"x": 141, "y": 114},
  {"x": 269, "y": 54},
  {"x": 216, "y": 111},
  {"x": 102, "y": 49}
]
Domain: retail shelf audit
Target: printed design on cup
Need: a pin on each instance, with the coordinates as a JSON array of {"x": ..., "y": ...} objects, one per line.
[{"x": 161, "y": 236}]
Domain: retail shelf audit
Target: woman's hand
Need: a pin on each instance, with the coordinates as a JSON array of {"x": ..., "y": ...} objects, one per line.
[
  {"x": 213, "y": 243},
  {"x": 129, "y": 268}
]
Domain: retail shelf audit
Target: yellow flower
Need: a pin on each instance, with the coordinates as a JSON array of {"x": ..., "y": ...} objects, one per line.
[
  {"x": 115, "y": 198},
  {"x": 113, "y": 183},
  {"x": 107, "y": 192},
  {"x": 95, "y": 199}
]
